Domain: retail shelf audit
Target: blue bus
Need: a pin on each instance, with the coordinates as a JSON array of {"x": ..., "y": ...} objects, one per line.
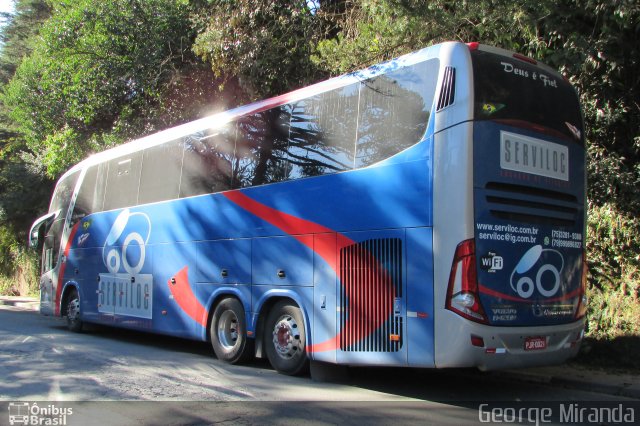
[{"x": 428, "y": 211}]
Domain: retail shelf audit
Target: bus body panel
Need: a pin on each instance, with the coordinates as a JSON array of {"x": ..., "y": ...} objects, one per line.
[
  {"x": 224, "y": 261},
  {"x": 530, "y": 227},
  {"x": 282, "y": 261},
  {"x": 420, "y": 298},
  {"x": 326, "y": 289},
  {"x": 81, "y": 260},
  {"x": 453, "y": 222}
]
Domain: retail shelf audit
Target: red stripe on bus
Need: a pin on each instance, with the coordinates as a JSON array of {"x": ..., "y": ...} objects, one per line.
[
  {"x": 184, "y": 297},
  {"x": 494, "y": 293}
]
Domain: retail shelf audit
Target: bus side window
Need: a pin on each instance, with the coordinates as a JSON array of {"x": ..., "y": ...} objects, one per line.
[
  {"x": 261, "y": 148},
  {"x": 160, "y": 175},
  {"x": 323, "y": 132},
  {"x": 206, "y": 166},
  {"x": 123, "y": 179},
  {"x": 91, "y": 194},
  {"x": 394, "y": 110}
]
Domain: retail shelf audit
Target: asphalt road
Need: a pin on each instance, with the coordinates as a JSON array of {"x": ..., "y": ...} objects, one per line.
[{"x": 163, "y": 380}]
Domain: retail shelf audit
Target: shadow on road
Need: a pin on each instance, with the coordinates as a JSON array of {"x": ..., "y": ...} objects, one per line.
[{"x": 446, "y": 386}]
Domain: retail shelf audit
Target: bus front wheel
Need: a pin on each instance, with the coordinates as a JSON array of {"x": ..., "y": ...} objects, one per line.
[
  {"x": 284, "y": 338},
  {"x": 73, "y": 312},
  {"x": 228, "y": 331}
]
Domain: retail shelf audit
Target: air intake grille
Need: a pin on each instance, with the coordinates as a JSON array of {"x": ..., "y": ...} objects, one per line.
[
  {"x": 448, "y": 90},
  {"x": 370, "y": 295},
  {"x": 532, "y": 205}
]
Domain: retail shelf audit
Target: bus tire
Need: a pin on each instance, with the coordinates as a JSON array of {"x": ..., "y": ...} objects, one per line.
[
  {"x": 74, "y": 323},
  {"x": 285, "y": 339},
  {"x": 229, "y": 331}
]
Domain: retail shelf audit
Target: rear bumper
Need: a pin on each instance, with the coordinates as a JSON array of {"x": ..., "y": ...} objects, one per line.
[{"x": 504, "y": 346}]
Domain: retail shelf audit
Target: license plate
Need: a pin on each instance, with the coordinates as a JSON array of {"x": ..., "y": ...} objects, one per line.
[
  {"x": 535, "y": 343},
  {"x": 535, "y": 156}
]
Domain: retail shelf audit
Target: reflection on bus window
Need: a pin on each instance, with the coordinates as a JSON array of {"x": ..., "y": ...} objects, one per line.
[
  {"x": 207, "y": 162},
  {"x": 394, "y": 110},
  {"x": 123, "y": 179},
  {"x": 323, "y": 133},
  {"x": 60, "y": 203},
  {"x": 261, "y": 148},
  {"x": 161, "y": 167}
]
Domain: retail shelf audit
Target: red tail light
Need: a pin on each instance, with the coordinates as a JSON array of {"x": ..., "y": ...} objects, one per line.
[
  {"x": 463, "y": 297},
  {"x": 474, "y": 45},
  {"x": 581, "y": 311}
]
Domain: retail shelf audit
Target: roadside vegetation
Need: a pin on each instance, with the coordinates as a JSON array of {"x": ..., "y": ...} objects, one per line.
[{"x": 82, "y": 76}]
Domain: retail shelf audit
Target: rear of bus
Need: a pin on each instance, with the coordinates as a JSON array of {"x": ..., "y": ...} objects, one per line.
[{"x": 509, "y": 213}]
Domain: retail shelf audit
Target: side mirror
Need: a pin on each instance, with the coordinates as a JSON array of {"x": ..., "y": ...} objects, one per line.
[{"x": 39, "y": 227}]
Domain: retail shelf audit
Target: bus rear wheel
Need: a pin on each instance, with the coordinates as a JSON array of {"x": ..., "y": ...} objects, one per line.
[
  {"x": 228, "y": 331},
  {"x": 73, "y": 312},
  {"x": 285, "y": 341}
]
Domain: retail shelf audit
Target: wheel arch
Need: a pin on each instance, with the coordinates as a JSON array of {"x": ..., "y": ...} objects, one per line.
[
  {"x": 215, "y": 298},
  {"x": 68, "y": 288},
  {"x": 263, "y": 308}
]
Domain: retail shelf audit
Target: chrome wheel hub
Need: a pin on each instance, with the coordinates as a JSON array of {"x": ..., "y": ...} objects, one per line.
[
  {"x": 228, "y": 329},
  {"x": 73, "y": 310},
  {"x": 286, "y": 337}
]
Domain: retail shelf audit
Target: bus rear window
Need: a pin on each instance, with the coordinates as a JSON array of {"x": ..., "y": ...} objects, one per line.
[{"x": 523, "y": 94}]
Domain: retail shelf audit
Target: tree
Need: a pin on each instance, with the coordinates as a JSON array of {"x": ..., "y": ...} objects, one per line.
[
  {"x": 103, "y": 72},
  {"x": 265, "y": 45},
  {"x": 24, "y": 191},
  {"x": 18, "y": 32}
]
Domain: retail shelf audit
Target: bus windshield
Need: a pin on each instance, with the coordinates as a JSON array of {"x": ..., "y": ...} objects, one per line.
[{"x": 519, "y": 93}]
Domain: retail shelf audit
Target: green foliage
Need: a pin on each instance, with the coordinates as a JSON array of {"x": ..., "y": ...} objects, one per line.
[
  {"x": 614, "y": 250},
  {"x": 613, "y": 325},
  {"x": 375, "y": 30},
  {"x": 17, "y": 35},
  {"x": 584, "y": 39},
  {"x": 18, "y": 267},
  {"x": 266, "y": 45},
  {"x": 97, "y": 73},
  {"x": 24, "y": 191},
  {"x": 614, "y": 266},
  {"x": 10, "y": 247},
  {"x": 612, "y": 314},
  {"x": 23, "y": 194}
]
